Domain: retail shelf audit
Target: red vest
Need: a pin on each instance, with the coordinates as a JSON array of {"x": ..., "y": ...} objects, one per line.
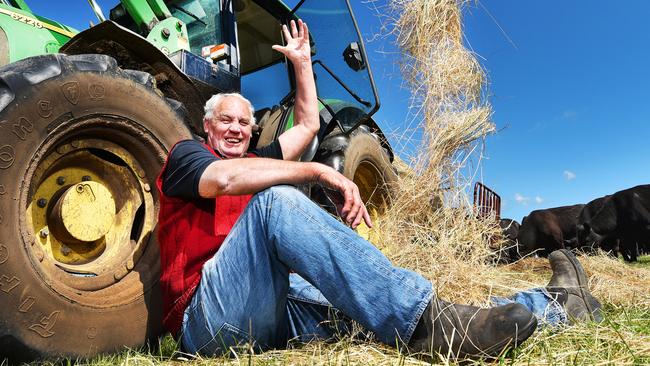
[{"x": 189, "y": 233}]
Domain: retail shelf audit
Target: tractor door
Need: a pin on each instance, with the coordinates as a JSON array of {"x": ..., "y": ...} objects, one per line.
[
  {"x": 345, "y": 86},
  {"x": 343, "y": 76}
]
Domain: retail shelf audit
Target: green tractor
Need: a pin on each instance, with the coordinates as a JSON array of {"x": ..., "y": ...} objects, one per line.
[{"x": 86, "y": 121}]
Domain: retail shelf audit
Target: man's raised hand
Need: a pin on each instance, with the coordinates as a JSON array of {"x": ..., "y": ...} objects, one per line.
[{"x": 297, "y": 48}]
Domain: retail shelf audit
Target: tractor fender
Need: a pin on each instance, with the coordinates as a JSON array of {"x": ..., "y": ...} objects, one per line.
[
  {"x": 332, "y": 150},
  {"x": 134, "y": 52},
  {"x": 345, "y": 113}
]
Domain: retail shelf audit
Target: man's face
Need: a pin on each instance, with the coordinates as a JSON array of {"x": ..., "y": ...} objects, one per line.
[{"x": 229, "y": 131}]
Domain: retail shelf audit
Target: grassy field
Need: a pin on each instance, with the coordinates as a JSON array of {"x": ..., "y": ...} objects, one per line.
[{"x": 623, "y": 338}]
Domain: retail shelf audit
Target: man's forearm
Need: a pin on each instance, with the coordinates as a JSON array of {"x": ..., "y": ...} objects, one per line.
[
  {"x": 251, "y": 175},
  {"x": 306, "y": 120},
  {"x": 306, "y": 108},
  {"x": 305, "y": 114}
]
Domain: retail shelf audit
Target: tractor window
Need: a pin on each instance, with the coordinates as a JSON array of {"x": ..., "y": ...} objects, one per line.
[
  {"x": 342, "y": 75},
  {"x": 257, "y": 31},
  {"x": 202, "y": 19},
  {"x": 266, "y": 87}
]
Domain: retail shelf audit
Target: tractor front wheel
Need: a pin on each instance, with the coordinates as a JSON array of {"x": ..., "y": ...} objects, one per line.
[
  {"x": 367, "y": 164},
  {"x": 81, "y": 145}
]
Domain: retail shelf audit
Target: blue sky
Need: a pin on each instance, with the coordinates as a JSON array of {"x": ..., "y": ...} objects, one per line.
[
  {"x": 571, "y": 97},
  {"x": 569, "y": 85}
]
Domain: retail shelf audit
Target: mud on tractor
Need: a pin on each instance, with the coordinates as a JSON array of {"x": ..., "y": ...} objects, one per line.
[{"x": 86, "y": 121}]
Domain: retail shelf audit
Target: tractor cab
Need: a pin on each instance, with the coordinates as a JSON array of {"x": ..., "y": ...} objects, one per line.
[{"x": 226, "y": 46}]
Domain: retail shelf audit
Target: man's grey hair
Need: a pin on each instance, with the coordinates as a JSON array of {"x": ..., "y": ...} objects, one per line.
[{"x": 215, "y": 101}]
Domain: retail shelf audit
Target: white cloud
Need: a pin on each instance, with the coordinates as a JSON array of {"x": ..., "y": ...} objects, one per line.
[
  {"x": 521, "y": 199},
  {"x": 569, "y": 175},
  {"x": 569, "y": 114}
]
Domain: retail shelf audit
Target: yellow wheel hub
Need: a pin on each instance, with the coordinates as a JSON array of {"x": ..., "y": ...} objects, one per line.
[
  {"x": 367, "y": 178},
  {"x": 91, "y": 209},
  {"x": 84, "y": 213}
]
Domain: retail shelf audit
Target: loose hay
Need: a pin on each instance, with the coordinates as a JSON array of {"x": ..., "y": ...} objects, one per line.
[{"x": 432, "y": 227}]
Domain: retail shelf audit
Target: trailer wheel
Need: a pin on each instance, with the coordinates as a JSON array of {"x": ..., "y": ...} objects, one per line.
[{"x": 81, "y": 144}]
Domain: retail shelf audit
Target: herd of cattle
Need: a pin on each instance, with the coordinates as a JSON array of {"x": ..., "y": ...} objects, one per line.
[{"x": 616, "y": 223}]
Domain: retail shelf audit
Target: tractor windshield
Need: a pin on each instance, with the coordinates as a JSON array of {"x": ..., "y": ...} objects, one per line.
[
  {"x": 343, "y": 77},
  {"x": 202, "y": 19},
  {"x": 257, "y": 30},
  {"x": 342, "y": 73}
]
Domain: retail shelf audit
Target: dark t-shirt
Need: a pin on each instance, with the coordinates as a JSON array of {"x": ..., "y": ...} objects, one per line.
[{"x": 189, "y": 159}]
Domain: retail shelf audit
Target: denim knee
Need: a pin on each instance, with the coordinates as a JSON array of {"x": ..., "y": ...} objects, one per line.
[{"x": 283, "y": 191}]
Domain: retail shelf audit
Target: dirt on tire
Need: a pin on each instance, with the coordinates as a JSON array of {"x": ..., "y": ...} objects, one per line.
[{"x": 80, "y": 113}]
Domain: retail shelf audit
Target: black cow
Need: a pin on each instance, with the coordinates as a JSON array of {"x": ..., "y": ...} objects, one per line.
[
  {"x": 544, "y": 231},
  {"x": 509, "y": 251},
  {"x": 623, "y": 217},
  {"x": 592, "y": 208}
]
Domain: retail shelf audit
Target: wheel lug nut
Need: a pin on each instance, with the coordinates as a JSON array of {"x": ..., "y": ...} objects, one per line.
[
  {"x": 86, "y": 178},
  {"x": 42, "y": 202},
  {"x": 60, "y": 181},
  {"x": 44, "y": 233},
  {"x": 65, "y": 250}
]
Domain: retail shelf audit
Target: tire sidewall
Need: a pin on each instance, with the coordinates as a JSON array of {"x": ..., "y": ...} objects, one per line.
[
  {"x": 365, "y": 148},
  {"x": 33, "y": 313}
]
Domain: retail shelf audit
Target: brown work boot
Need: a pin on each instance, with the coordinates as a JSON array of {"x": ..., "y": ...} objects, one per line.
[
  {"x": 463, "y": 331},
  {"x": 569, "y": 282}
]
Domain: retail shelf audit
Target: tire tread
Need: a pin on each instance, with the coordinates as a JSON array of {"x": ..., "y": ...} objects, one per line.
[{"x": 17, "y": 81}]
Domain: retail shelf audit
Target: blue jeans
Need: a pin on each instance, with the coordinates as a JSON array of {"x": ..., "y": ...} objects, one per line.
[
  {"x": 547, "y": 310},
  {"x": 248, "y": 295}
]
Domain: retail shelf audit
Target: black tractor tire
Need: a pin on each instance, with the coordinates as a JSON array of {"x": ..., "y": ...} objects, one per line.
[
  {"x": 367, "y": 164},
  {"x": 362, "y": 159},
  {"x": 80, "y": 122}
]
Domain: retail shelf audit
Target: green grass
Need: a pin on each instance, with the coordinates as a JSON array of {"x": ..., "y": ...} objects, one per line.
[
  {"x": 643, "y": 261},
  {"x": 622, "y": 339}
]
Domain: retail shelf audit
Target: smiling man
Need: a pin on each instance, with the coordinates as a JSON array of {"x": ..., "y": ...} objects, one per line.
[
  {"x": 248, "y": 259},
  {"x": 227, "y": 133}
]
